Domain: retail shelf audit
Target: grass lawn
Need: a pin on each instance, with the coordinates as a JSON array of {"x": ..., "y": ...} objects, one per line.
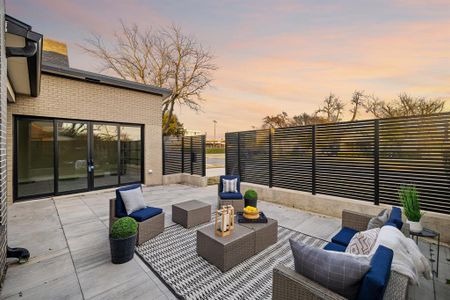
[{"x": 215, "y": 150}]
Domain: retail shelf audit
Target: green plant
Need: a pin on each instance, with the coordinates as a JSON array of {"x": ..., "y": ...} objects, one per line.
[
  {"x": 124, "y": 228},
  {"x": 251, "y": 195},
  {"x": 409, "y": 197}
]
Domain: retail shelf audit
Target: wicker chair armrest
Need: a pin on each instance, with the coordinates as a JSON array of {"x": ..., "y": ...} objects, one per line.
[
  {"x": 289, "y": 285},
  {"x": 112, "y": 212},
  {"x": 355, "y": 220},
  {"x": 397, "y": 288}
]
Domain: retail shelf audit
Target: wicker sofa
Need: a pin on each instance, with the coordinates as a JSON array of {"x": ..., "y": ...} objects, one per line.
[{"x": 289, "y": 285}]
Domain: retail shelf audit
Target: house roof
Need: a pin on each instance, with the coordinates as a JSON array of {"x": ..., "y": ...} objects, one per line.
[{"x": 58, "y": 70}]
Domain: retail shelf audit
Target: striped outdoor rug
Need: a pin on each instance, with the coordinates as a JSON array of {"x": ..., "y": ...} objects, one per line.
[{"x": 172, "y": 256}]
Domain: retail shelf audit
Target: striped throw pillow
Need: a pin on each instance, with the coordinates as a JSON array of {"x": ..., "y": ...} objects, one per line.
[
  {"x": 363, "y": 242},
  {"x": 229, "y": 185}
]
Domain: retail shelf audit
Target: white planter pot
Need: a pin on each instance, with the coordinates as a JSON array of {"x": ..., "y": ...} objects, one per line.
[{"x": 415, "y": 226}]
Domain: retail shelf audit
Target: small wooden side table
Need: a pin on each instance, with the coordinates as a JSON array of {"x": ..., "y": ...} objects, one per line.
[{"x": 428, "y": 233}]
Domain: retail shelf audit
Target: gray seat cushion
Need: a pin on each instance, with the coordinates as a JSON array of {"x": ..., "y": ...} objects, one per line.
[{"x": 340, "y": 272}]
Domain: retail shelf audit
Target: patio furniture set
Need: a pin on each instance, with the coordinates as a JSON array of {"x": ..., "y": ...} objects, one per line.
[{"x": 248, "y": 239}]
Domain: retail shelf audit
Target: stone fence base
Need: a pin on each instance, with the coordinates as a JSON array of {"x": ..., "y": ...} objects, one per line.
[{"x": 183, "y": 178}]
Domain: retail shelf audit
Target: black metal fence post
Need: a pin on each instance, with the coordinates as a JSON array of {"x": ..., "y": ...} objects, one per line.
[
  {"x": 182, "y": 154},
  {"x": 203, "y": 155},
  {"x": 164, "y": 156},
  {"x": 270, "y": 158},
  {"x": 239, "y": 154},
  {"x": 376, "y": 163},
  {"x": 313, "y": 159},
  {"x": 226, "y": 154},
  {"x": 192, "y": 156}
]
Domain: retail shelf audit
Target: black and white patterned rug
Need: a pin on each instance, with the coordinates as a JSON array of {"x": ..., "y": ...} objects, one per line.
[{"x": 173, "y": 257}]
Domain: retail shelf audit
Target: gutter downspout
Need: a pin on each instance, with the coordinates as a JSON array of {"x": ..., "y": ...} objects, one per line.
[{"x": 28, "y": 51}]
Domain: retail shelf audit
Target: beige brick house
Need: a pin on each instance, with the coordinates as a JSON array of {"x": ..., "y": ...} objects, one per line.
[{"x": 84, "y": 131}]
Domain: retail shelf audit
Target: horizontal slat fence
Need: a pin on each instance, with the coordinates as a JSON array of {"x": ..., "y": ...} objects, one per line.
[
  {"x": 292, "y": 149},
  {"x": 363, "y": 160},
  {"x": 416, "y": 151},
  {"x": 184, "y": 155},
  {"x": 345, "y": 160}
]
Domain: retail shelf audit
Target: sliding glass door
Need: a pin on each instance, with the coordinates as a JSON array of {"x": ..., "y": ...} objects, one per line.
[
  {"x": 35, "y": 172},
  {"x": 72, "y": 154},
  {"x": 105, "y": 155},
  {"x": 130, "y": 154},
  {"x": 54, "y": 157}
]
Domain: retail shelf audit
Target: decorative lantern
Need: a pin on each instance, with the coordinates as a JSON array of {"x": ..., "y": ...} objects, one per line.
[{"x": 224, "y": 220}]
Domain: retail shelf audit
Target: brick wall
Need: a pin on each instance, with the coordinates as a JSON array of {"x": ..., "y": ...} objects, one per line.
[
  {"x": 74, "y": 99},
  {"x": 3, "y": 106}
]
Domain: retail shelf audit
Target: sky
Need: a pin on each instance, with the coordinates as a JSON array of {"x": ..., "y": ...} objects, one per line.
[{"x": 274, "y": 56}]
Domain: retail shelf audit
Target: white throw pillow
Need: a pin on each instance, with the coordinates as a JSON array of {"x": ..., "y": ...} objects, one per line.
[
  {"x": 133, "y": 200},
  {"x": 362, "y": 242},
  {"x": 229, "y": 185}
]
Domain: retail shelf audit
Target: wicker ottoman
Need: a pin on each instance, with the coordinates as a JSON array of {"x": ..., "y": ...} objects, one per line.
[
  {"x": 191, "y": 213},
  {"x": 226, "y": 252},
  {"x": 266, "y": 234}
]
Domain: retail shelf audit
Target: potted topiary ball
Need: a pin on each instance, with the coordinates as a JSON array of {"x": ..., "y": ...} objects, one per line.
[
  {"x": 250, "y": 197},
  {"x": 123, "y": 239},
  {"x": 409, "y": 197}
]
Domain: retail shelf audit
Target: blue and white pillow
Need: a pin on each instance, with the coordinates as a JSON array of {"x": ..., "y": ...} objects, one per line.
[{"x": 229, "y": 185}]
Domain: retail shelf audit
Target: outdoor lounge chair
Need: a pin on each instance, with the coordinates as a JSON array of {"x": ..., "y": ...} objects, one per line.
[
  {"x": 290, "y": 285},
  {"x": 234, "y": 199},
  {"x": 150, "y": 219}
]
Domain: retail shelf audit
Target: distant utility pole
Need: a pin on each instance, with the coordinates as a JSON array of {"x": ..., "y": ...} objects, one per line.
[{"x": 214, "y": 143}]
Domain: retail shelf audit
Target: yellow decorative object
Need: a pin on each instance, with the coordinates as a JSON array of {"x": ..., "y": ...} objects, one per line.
[{"x": 251, "y": 212}]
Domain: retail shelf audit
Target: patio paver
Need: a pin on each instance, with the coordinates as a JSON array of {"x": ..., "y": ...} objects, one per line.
[{"x": 68, "y": 241}]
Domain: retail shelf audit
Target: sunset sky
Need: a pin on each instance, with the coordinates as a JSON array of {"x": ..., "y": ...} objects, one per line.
[{"x": 275, "y": 56}]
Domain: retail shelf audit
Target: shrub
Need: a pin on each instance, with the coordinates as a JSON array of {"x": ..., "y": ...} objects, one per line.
[
  {"x": 409, "y": 197},
  {"x": 124, "y": 228},
  {"x": 251, "y": 195}
]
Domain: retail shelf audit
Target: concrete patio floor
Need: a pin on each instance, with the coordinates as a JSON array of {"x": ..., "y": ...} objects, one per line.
[{"x": 68, "y": 241}]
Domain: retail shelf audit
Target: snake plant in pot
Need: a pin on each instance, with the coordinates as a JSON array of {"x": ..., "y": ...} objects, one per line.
[
  {"x": 409, "y": 197},
  {"x": 123, "y": 239}
]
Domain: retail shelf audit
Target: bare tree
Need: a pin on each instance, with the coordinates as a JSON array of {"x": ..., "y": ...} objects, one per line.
[
  {"x": 356, "y": 102},
  {"x": 277, "y": 121},
  {"x": 166, "y": 58},
  {"x": 307, "y": 119},
  {"x": 333, "y": 107},
  {"x": 403, "y": 106}
]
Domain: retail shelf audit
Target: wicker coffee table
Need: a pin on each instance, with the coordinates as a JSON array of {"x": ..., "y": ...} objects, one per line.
[
  {"x": 225, "y": 252},
  {"x": 245, "y": 241},
  {"x": 266, "y": 234},
  {"x": 191, "y": 213}
]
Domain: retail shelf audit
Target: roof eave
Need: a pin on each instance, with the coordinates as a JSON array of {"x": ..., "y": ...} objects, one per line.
[{"x": 103, "y": 79}]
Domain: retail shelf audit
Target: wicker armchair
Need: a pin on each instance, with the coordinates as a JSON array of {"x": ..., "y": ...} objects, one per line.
[
  {"x": 289, "y": 285},
  {"x": 147, "y": 229}
]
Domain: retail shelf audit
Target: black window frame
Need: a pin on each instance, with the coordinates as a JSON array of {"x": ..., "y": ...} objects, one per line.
[{"x": 17, "y": 118}]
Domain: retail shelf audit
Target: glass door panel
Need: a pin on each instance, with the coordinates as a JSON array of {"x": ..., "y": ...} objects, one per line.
[
  {"x": 34, "y": 157},
  {"x": 72, "y": 156},
  {"x": 130, "y": 154},
  {"x": 105, "y": 155}
]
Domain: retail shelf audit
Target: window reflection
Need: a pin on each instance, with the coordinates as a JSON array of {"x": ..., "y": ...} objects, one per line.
[
  {"x": 35, "y": 157},
  {"x": 72, "y": 156},
  {"x": 105, "y": 155},
  {"x": 130, "y": 151}
]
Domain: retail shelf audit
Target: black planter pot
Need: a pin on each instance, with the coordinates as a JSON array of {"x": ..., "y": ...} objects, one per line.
[
  {"x": 250, "y": 202},
  {"x": 122, "y": 250}
]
